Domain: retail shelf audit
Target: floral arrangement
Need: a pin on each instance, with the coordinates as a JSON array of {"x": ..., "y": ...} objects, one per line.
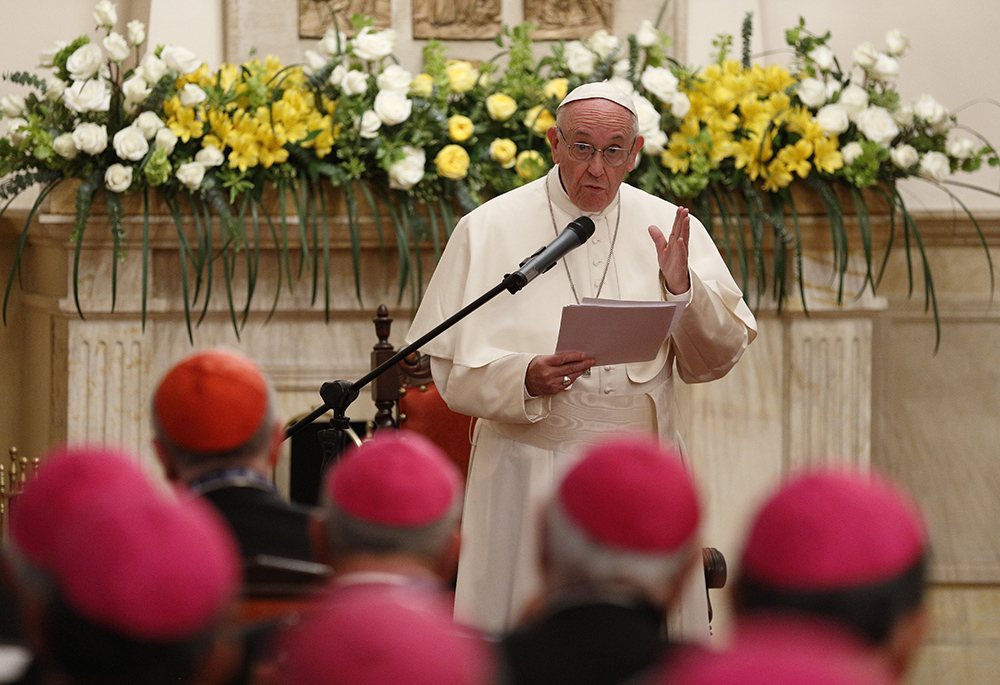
[{"x": 729, "y": 140}]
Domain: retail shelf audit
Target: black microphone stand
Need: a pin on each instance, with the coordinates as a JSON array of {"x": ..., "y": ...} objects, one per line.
[{"x": 338, "y": 395}]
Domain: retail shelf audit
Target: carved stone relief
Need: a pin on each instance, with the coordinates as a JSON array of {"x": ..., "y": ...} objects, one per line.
[
  {"x": 568, "y": 18},
  {"x": 316, "y": 16},
  {"x": 456, "y": 19}
]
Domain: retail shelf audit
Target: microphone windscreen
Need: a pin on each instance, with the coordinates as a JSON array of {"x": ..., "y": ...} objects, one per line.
[{"x": 584, "y": 227}]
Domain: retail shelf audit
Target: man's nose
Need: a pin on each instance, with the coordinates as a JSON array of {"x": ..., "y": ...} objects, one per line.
[{"x": 596, "y": 164}]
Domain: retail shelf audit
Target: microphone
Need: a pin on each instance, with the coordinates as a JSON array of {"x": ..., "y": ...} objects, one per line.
[{"x": 575, "y": 235}]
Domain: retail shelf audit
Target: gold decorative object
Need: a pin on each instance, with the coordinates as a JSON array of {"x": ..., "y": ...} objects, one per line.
[
  {"x": 557, "y": 19},
  {"x": 456, "y": 19},
  {"x": 316, "y": 16}
]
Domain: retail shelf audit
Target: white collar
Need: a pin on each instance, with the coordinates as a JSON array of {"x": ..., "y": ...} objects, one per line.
[{"x": 561, "y": 200}]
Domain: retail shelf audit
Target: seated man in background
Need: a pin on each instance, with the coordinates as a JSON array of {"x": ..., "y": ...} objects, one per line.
[
  {"x": 838, "y": 557},
  {"x": 216, "y": 430},
  {"x": 120, "y": 581},
  {"x": 390, "y": 514},
  {"x": 619, "y": 538}
]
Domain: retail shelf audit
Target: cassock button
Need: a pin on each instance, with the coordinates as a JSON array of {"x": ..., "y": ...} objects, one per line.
[
  {"x": 597, "y": 262},
  {"x": 597, "y": 284},
  {"x": 608, "y": 367},
  {"x": 608, "y": 391}
]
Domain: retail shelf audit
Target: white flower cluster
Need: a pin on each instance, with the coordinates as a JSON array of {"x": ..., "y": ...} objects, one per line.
[
  {"x": 838, "y": 106},
  {"x": 88, "y": 92}
]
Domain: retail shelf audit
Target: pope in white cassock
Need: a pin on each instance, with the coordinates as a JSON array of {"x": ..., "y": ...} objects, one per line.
[{"x": 537, "y": 409}]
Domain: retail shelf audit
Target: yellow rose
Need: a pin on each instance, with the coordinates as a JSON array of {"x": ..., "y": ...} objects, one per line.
[
  {"x": 422, "y": 85},
  {"x": 503, "y": 151},
  {"x": 452, "y": 162},
  {"x": 539, "y": 120},
  {"x": 556, "y": 88},
  {"x": 530, "y": 165},
  {"x": 460, "y": 128},
  {"x": 500, "y": 106},
  {"x": 461, "y": 75}
]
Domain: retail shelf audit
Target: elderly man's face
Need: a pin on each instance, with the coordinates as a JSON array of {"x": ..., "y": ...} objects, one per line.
[{"x": 592, "y": 185}]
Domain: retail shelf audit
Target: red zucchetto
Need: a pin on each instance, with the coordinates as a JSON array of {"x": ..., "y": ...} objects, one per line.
[{"x": 213, "y": 401}]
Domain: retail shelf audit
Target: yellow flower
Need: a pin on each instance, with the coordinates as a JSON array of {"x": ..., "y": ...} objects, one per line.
[
  {"x": 245, "y": 153},
  {"x": 460, "y": 128},
  {"x": 185, "y": 124},
  {"x": 778, "y": 176},
  {"x": 422, "y": 85},
  {"x": 452, "y": 162},
  {"x": 826, "y": 156},
  {"x": 556, "y": 88},
  {"x": 503, "y": 152},
  {"x": 530, "y": 165},
  {"x": 461, "y": 75},
  {"x": 539, "y": 119},
  {"x": 796, "y": 157},
  {"x": 500, "y": 106}
]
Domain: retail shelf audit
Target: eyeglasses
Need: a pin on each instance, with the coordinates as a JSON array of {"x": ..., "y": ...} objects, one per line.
[{"x": 582, "y": 152}]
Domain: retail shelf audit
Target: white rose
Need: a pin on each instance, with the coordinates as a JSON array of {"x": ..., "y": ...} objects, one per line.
[
  {"x": 623, "y": 84},
  {"x": 149, "y": 124},
  {"x": 823, "y": 57},
  {"x": 865, "y": 55},
  {"x": 621, "y": 68},
  {"x": 877, "y": 125},
  {"x": 833, "y": 118},
  {"x": 655, "y": 142},
  {"x": 368, "y": 124},
  {"x": 88, "y": 96},
  {"x": 14, "y": 130},
  {"x": 210, "y": 156},
  {"x": 48, "y": 56},
  {"x": 903, "y": 115},
  {"x": 886, "y": 68},
  {"x": 647, "y": 35},
  {"x": 117, "y": 47},
  {"x": 180, "y": 59},
  {"x": 408, "y": 171},
  {"x": 851, "y": 152},
  {"x": 853, "y": 99},
  {"x": 371, "y": 45},
  {"x": 54, "y": 88},
  {"x": 191, "y": 95},
  {"x": 812, "y": 92},
  {"x": 930, "y": 110},
  {"x": 85, "y": 61},
  {"x": 960, "y": 147},
  {"x": 659, "y": 81},
  {"x": 90, "y": 138},
  {"x": 135, "y": 31},
  {"x": 355, "y": 82},
  {"x": 935, "y": 166},
  {"x": 12, "y": 105},
  {"x": 394, "y": 77},
  {"x": 604, "y": 44},
  {"x": 165, "y": 140},
  {"x": 649, "y": 117},
  {"x": 153, "y": 68},
  {"x": 337, "y": 75},
  {"x": 392, "y": 108},
  {"x": 191, "y": 174},
  {"x": 64, "y": 146},
  {"x": 118, "y": 178},
  {"x": 579, "y": 59},
  {"x": 106, "y": 14},
  {"x": 314, "y": 61},
  {"x": 332, "y": 43},
  {"x": 904, "y": 156},
  {"x": 680, "y": 105},
  {"x": 131, "y": 144},
  {"x": 897, "y": 43},
  {"x": 135, "y": 89}
]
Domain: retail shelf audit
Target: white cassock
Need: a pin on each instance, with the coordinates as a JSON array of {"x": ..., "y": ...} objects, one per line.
[{"x": 522, "y": 445}]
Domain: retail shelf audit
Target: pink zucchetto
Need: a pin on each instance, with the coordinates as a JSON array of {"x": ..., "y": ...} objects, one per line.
[
  {"x": 833, "y": 530},
  {"x": 602, "y": 91},
  {"x": 397, "y": 478},
  {"x": 71, "y": 482},
  {"x": 375, "y": 637},
  {"x": 213, "y": 401},
  {"x": 160, "y": 571},
  {"x": 631, "y": 494}
]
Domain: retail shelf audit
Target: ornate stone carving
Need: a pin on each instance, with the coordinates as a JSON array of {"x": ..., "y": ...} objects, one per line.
[
  {"x": 456, "y": 19},
  {"x": 568, "y": 18},
  {"x": 316, "y": 16}
]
